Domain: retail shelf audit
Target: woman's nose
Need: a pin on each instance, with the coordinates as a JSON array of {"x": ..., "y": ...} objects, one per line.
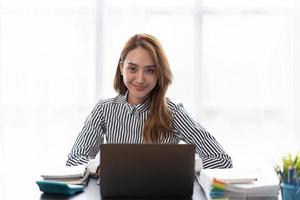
[{"x": 140, "y": 77}]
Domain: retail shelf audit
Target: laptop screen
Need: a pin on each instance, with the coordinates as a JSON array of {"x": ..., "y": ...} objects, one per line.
[{"x": 147, "y": 170}]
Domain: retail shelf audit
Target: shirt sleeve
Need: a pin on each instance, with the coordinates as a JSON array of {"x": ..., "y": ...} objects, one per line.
[
  {"x": 208, "y": 149},
  {"x": 88, "y": 142}
]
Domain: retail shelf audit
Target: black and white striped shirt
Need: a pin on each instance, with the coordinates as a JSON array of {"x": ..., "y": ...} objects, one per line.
[{"x": 121, "y": 122}]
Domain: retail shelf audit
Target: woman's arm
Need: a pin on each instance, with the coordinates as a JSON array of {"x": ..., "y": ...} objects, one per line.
[
  {"x": 89, "y": 139},
  {"x": 208, "y": 149}
]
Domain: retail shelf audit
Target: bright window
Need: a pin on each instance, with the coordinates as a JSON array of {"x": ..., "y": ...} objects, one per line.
[{"x": 234, "y": 64}]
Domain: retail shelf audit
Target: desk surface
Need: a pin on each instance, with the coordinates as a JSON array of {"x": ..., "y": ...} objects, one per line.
[
  {"x": 92, "y": 191},
  {"x": 15, "y": 186}
]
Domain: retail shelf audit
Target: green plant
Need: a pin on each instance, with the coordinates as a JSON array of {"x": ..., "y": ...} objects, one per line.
[{"x": 289, "y": 162}]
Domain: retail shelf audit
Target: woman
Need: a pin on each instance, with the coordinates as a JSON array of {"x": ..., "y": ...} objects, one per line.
[{"x": 141, "y": 113}]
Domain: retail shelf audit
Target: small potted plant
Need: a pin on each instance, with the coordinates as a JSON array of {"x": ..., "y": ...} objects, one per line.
[{"x": 289, "y": 176}]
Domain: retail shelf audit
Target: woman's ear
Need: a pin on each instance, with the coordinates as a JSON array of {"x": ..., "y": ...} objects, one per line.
[{"x": 121, "y": 68}]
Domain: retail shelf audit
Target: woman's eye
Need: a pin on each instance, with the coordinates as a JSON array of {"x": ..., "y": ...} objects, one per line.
[
  {"x": 131, "y": 69},
  {"x": 151, "y": 71}
]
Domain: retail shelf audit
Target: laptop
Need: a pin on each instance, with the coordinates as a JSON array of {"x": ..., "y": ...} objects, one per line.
[{"x": 147, "y": 170}]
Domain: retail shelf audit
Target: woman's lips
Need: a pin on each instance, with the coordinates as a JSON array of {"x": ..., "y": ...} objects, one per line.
[{"x": 139, "y": 88}]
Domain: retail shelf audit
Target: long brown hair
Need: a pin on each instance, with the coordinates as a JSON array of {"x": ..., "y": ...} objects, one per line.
[{"x": 158, "y": 123}]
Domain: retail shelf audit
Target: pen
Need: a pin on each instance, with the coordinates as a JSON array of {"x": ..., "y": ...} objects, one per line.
[
  {"x": 290, "y": 175},
  {"x": 294, "y": 177},
  {"x": 279, "y": 173}
]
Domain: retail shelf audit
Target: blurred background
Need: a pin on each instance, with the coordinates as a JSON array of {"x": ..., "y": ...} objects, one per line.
[{"x": 235, "y": 64}]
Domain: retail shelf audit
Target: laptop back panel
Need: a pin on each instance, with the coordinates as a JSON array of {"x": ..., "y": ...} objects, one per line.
[{"x": 147, "y": 170}]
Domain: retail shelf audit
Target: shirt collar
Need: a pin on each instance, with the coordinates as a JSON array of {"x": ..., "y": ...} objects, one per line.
[{"x": 138, "y": 108}]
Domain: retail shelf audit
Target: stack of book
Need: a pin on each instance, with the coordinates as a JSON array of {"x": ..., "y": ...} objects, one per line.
[
  {"x": 76, "y": 175},
  {"x": 235, "y": 184},
  {"x": 66, "y": 180}
]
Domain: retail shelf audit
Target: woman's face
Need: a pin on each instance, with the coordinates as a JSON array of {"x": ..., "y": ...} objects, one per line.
[{"x": 139, "y": 75}]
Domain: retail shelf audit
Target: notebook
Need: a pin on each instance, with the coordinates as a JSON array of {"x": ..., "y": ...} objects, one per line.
[
  {"x": 78, "y": 175},
  {"x": 147, "y": 170},
  {"x": 232, "y": 175}
]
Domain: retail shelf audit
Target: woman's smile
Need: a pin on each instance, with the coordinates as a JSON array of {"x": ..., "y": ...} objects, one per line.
[{"x": 139, "y": 88}]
